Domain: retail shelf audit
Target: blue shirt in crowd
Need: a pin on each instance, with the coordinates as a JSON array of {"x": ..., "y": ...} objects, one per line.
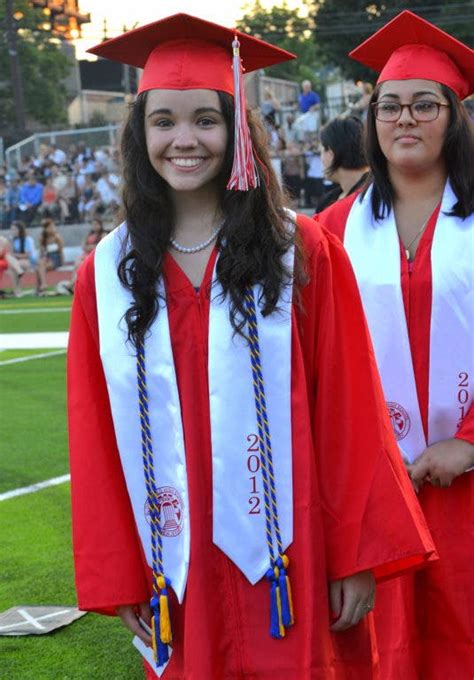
[
  {"x": 308, "y": 99},
  {"x": 31, "y": 193}
]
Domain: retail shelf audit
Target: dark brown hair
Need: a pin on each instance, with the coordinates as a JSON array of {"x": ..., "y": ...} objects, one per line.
[
  {"x": 252, "y": 240},
  {"x": 458, "y": 151}
]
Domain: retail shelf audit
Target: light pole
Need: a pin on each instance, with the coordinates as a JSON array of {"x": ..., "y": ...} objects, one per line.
[{"x": 17, "y": 83}]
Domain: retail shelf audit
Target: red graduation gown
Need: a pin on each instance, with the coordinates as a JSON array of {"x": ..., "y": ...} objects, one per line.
[
  {"x": 354, "y": 508},
  {"x": 425, "y": 621}
]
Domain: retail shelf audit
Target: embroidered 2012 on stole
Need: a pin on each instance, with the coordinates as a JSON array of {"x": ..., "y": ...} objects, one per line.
[
  {"x": 239, "y": 528},
  {"x": 373, "y": 247}
]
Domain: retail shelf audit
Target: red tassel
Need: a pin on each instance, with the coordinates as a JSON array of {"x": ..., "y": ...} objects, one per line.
[{"x": 244, "y": 175}]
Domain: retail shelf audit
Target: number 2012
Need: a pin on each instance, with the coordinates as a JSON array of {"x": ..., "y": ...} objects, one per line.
[{"x": 253, "y": 466}]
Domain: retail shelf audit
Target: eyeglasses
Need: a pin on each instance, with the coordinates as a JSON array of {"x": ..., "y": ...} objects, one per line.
[{"x": 422, "y": 111}]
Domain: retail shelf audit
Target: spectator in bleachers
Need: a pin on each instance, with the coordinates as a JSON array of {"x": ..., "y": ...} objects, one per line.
[
  {"x": 107, "y": 188},
  {"x": 8, "y": 261},
  {"x": 24, "y": 251},
  {"x": 57, "y": 155},
  {"x": 3, "y": 204},
  {"x": 95, "y": 235},
  {"x": 343, "y": 158},
  {"x": 49, "y": 206},
  {"x": 68, "y": 200},
  {"x": 12, "y": 201},
  {"x": 88, "y": 199},
  {"x": 31, "y": 197},
  {"x": 51, "y": 252}
]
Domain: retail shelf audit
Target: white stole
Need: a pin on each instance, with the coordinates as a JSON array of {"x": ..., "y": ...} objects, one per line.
[
  {"x": 238, "y": 512},
  {"x": 374, "y": 250}
]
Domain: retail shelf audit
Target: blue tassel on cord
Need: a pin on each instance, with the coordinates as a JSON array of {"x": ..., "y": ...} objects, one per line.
[
  {"x": 275, "y": 611},
  {"x": 286, "y": 609},
  {"x": 160, "y": 650}
]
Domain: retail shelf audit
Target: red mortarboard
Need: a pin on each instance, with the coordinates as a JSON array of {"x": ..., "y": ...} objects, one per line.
[
  {"x": 182, "y": 52},
  {"x": 411, "y": 47}
]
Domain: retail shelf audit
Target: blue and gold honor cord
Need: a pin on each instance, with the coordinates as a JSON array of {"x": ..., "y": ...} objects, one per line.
[
  {"x": 160, "y": 621},
  {"x": 281, "y": 606}
]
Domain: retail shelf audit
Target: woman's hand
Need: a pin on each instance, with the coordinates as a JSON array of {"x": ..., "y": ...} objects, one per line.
[
  {"x": 130, "y": 613},
  {"x": 441, "y": 463},
  {"x": 351, "y": 598}
]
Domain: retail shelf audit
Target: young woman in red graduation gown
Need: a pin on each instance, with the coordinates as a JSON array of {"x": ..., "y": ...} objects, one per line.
[
  {"x": 410, "y": 240},
  {"x": 353, "y": 515}
]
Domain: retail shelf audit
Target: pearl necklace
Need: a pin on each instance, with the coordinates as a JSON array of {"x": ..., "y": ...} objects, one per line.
[{"x": 200, "y": 246}]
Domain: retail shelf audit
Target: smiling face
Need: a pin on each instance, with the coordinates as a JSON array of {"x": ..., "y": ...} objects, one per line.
[
  {"x": 186, "y": 137},
  {"x": 408, "y": 144}
]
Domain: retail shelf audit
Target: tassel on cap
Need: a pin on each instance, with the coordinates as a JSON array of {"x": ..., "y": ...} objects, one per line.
[{"x": 244, "y": 175}]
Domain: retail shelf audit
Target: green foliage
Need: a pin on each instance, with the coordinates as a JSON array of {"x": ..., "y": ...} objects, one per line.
[
  {"x": 341, "y": 25},
  {"x": 285, "y": 28},
  {"x": 43, "y": 68}
]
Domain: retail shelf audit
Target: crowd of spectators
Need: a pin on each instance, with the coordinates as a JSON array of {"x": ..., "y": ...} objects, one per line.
[
  {"x": 70, "y": 186},
  {"x": 19, "y": 254}
]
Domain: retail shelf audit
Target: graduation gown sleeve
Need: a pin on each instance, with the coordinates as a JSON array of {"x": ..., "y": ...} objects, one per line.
[
  {"x": 109, "y": 568},
  {"x": 362, "y": 478}
]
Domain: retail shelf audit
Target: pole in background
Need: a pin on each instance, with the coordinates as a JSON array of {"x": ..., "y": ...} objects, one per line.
[{"x": 17, "y": 83}]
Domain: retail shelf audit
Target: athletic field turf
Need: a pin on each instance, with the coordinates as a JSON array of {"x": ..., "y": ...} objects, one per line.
[{"x": 35, "y": 544}]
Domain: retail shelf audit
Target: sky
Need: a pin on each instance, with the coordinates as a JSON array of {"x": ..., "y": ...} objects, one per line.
[{"x": 119, "y": 14}]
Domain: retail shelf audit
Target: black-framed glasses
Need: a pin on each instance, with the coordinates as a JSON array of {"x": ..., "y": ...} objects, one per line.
[{"x": 422, "y": 110}]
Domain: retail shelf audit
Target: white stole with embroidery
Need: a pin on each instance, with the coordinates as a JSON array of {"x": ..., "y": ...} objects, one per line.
[
  {"x": 238, "y": 512},
  {"x": 374, "y": 250}
]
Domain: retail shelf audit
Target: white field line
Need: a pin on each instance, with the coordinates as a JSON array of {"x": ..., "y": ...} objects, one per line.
[
  {"x": 19, "y": 360},
  {"x": 33, "y": 621},
  {"x": 35, "y": 310},
  {"x": 57, "y": 340},
  {"x": 34, "y": 487}
]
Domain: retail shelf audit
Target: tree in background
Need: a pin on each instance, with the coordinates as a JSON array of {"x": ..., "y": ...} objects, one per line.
[
  {"x": 341, "y": 25},
  {"x": 285, "y": 28},
  {"x": 43, "y": 69}
]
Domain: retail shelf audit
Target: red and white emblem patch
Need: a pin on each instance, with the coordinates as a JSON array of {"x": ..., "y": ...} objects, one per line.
[
  {"x": 399, "y": 418},
  {"x": 170, "y": 506}
]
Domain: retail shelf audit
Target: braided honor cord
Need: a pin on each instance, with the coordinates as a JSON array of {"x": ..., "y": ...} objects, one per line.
[
  {"x": 281, "y": 610},
  {"x": 160, "y": 623}
]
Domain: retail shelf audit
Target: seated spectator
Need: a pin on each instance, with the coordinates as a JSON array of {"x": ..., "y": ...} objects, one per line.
[
  {"x": 31, "y": 197},
  {"x": 24, "y": 251},
  {"x": 49, "y": 206},
  {"x": 8, "y": 262},
  {"x": 95, "y": 235},
  {"x": 343, "y": 158},
  {"x": 107, "y": 188},
  {"x": 57, "y": 155},
  {"x": 51, "y": 253},
  {"x": 12, "y": 200},
  {"x": 3, "y": 204},
  {"x": 68, "y": 199},
  {"x": 88, "y": 199}
]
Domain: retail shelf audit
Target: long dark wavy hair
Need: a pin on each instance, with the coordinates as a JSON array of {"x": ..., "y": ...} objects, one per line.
[
  {"x": 458, "y": 152},
  {"x": 253, "y": 238}
]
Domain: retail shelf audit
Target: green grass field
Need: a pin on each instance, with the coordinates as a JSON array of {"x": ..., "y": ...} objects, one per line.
[{"x": 35, "y": 544}]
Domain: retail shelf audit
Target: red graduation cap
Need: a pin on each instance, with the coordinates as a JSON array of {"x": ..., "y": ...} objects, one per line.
[
  {"x": 182, "y": 52},
  {"x": 411, "y": 47}
]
